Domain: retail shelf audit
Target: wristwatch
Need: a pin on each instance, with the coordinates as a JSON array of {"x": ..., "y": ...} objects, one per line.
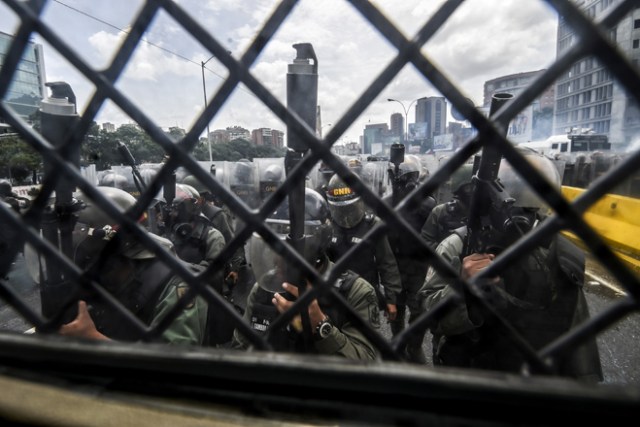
[{"x": 324, "y": 328}]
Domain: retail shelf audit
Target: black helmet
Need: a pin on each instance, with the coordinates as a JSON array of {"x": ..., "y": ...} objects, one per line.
[
  {"x": 345, "y": 205},
  {"x": 317, "y": 237},
  {"x": 5, "y": 188}
]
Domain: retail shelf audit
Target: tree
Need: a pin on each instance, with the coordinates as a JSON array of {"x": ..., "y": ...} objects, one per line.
[{"x": 18, "y": 160}]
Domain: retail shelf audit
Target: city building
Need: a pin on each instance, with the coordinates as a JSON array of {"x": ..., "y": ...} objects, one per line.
[
  {"x": 27, "y": 88},
  {"x": 587, "y": 97},
  {"x": 277, "y": 138},
  {"x": 433, "y": 111},
  {"x": 261, "y": 136},
  {"x": 268, "y": 137},
  {"x": 397, "y": 125},
  {"x": 535, "y": 121},
  {"x": 108, "y": 127},
  {"x": 237, "y": 132},
  {"x": 375, "y": 136},
  {"x": 219, "y": 136}
]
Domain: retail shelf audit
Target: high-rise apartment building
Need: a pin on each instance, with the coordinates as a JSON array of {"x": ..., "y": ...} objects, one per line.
[
  {"x": 432, "y": 110},
  {"x": 397, "y": 125},
  {"x": 27, "y": 87},
  {"x": 587, "y": 96},
  {"x": 532, "y": 123},
  {"x": 268, "y": 137},
  {"x": 238, "y": 132},
  {"x": 374, "y": 138}
]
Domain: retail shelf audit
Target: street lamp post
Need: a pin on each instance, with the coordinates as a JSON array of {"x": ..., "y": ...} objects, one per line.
[
  {"x": 322, "y": 127},
  {"x": 406, "y": 115},
  {"x": 204, "y": 91}
]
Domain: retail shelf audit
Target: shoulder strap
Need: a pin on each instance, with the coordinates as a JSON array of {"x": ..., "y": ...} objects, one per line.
[{"x": 345, "y": 281}]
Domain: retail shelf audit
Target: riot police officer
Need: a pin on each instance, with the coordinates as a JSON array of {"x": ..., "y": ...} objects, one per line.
[
  {"x": 132, "y": 274},
  {"x": 375, "y": 262},
  {"x": 411, "y": 259},
  {"x": 447, "y": 217},
  {"x": 219, "y": 221},
  {"x": 197, "y": 241},
  {"x": 238, "y": 277},
  {"x": 333, "y": 333},
  {"x": 271, "y": 176},
  {"x": 540, "y": 294}
]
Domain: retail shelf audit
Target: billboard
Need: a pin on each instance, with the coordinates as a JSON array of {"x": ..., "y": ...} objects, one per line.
[
  {"x": 443, "y": 142},
  {"x": 418, "y": 131}
]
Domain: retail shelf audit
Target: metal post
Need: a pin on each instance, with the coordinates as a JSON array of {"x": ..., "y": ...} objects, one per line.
[
  {"x": 406, "y": 116},
  {"x": 204, "y": 91}
]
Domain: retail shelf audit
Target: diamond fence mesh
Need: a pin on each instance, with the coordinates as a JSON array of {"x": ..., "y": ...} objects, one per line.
[{"x": 58, "y": 155}]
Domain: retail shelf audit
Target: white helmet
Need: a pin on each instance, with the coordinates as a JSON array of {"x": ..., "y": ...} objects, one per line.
[{"x": 518, "y": 188}]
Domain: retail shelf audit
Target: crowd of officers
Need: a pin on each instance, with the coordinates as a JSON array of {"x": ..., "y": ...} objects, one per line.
[{"x": 386, "y": 279}]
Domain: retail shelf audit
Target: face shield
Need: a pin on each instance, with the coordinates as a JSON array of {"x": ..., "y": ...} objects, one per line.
[
  {"x": 265, "y": 261},
  {"x": 515, "y": 210},
  {"x": 348, "y": 213},
  {"x": 268, "y": 264},
  {"x": 346, "y": 207}
]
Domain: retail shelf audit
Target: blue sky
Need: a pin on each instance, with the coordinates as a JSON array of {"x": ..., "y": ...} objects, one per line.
[{"x": 483, "y": 40}]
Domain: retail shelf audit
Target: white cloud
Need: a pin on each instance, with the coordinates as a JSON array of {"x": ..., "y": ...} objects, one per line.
[{"x": 483, "y": 40}]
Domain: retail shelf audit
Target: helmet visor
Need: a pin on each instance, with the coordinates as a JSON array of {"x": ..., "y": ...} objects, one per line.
[{"x": 347, "y": 213}]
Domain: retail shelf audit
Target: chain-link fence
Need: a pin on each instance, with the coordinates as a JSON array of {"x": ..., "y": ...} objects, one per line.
[{"x": 137, "y": 368}]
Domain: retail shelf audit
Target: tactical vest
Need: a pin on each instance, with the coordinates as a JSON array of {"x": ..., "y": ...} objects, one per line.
[
  {"x": 403, "y": 247},
  {"x": 193, "y": 249},
  {"x": 139, "y": 296},
  {"x": 344, "y": 239},
  {"x": 264, "y": 313},
  {"x": 211, "y": 211},
  {"x": 541, "y": 294}
]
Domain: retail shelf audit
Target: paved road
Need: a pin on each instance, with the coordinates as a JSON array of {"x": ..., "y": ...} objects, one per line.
[{"x": 618, "y": 345}]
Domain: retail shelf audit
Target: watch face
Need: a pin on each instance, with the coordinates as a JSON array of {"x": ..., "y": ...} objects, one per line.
[{"x": 325, "y": 330}]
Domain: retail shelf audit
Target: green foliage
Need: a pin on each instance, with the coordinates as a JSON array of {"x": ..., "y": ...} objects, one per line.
[
  {"x": 17, "y": 159},
  {"x": 243, "y": 149}
]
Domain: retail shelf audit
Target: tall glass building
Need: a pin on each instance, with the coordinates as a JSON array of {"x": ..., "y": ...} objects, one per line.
[{"x": 27, "y": 87}]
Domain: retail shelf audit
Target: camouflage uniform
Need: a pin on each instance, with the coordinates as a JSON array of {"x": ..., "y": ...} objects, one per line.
[
  {"x": 540, "y": 295},
  {"x": 375, "y": 262},
  {"x": 150, "y": 292},
  {"x": 345, "y": 339},
  {"x": 442, "y": 221},
  {"x": 412, "y": 265},
  {"x": 189, "y": 326}
]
